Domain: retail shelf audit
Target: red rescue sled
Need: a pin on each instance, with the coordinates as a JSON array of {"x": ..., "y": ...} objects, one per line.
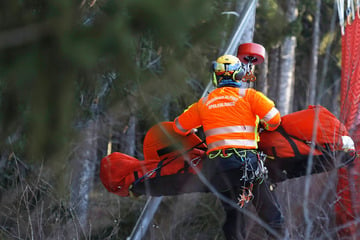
[
  {"x": 168, "y": 156},
  {"x": 172, "y": 161}
]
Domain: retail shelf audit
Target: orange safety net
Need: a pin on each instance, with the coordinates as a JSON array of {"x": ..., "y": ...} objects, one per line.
[{"x": 347, "y": 207}]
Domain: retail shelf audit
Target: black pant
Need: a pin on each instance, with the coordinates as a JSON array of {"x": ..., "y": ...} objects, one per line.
[
  {"x": 266, "y": 206},
  {"x": 225, "y": 174}
]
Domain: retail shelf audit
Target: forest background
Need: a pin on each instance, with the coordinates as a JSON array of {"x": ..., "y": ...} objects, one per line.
[{"x": 79, "y": 79}]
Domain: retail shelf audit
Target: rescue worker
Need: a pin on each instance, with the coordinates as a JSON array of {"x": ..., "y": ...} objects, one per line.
[{"x": 230, "y": 116}]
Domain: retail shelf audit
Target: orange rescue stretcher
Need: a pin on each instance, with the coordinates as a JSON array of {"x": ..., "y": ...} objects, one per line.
[{"x": 172, "y": 162}]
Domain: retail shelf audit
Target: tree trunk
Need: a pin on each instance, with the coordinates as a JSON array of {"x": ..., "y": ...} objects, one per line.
[
  {"x": 314, "y": 57},
  {"x": 83, "y": 170},
  {"x": 83, "y": 165},
  {"x": 274, "y": 70},
  {"x": 262, "y": 77},
  {"x": 287, "y": 65},
  {"x": 335, "y": 89},
  {"x": 128, "y": 138}
]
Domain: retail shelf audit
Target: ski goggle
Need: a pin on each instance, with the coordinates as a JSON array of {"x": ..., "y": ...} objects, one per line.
[{"x": 225, "y": 68}]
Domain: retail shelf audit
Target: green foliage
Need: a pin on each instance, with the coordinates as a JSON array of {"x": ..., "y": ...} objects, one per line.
[
  {"x": 53, "y": 74},
  {"x": 125, "y": 57},
  {"x": 269, "y": 15},
  {"x": 294, "y": 28}
]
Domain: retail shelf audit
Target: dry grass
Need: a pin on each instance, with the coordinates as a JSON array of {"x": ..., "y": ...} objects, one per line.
[{"x": 31, "y": 209}]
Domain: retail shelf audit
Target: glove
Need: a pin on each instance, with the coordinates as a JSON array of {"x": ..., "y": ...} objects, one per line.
[
  {"x": 263, "y": 125},
  {"x": 194, "y": 130},
  {"x": 348, "y": 144}
]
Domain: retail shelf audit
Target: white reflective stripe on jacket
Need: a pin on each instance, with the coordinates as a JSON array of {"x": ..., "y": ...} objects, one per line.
[
  {"x": 233, "y": 142},
  {"x": 229, "y": 129},
  {"x": 272, "y": 113},
  {"x": 180, "y": 128}
]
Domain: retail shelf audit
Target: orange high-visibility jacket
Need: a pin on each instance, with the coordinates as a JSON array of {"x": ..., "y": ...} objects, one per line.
[{"x": 230, "y": 117}]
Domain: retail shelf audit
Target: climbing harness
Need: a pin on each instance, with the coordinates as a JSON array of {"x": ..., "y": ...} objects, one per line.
[
  {"x": 245, "y": 196},
  {"x": 251, "y": 176},
  {"x": 249, "y": 77},
  {"x": 251, "y": 172}
]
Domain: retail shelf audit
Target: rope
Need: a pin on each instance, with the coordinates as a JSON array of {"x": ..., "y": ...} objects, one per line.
[
  {"x": 348, "y": 190},
  {"x": 340, "y": 8},
  {"x": 352, "y": 9},
  {"x": 168, "y": 161}
]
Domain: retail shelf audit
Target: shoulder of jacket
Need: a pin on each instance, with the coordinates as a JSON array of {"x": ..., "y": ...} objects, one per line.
[
  {"x": 243, "y": 91},
  {"x": 210, "y": 95},
  {"x": 203, "y": 99},
  {"x": 191, "y": 106}
]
